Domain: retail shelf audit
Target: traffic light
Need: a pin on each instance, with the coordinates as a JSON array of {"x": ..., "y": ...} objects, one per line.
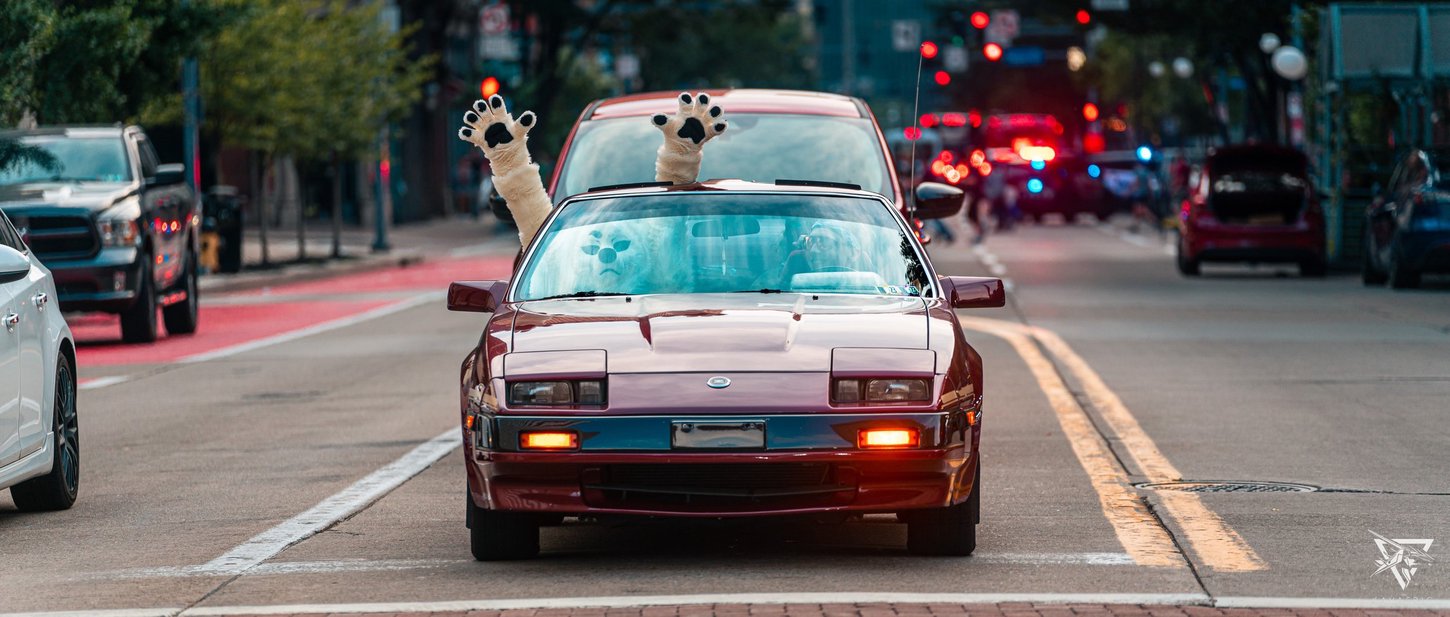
[
  {"x": 943, "y": 78},
  {"x": 1084, "y": 17},
  {"x": 980, "y": 20},
  {"x": 489, "y": 87},
  {"x": 1090, "y": 112},
  {"x": 928, "y": 50},
  {"x": 992, "y": 51}
]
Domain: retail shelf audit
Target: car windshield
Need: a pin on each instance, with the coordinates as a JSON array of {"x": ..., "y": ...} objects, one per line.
[
  {"x": 685, "y": 243},
  {"x": 756, "y": 147},
  {"x": 68, "y": 159}
]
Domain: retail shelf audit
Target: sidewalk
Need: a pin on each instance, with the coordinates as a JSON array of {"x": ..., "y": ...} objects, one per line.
[{"x": 411, "y": 243}]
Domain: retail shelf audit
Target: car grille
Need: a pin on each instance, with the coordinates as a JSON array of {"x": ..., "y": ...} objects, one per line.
[
  {"x": 684, "y": 487},
  {"x": 59, "y": 236}
]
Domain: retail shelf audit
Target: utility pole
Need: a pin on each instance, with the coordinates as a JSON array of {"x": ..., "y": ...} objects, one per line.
[{"x": 384, "y": 212}]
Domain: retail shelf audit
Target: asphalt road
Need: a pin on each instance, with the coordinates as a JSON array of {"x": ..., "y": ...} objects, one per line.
[{"x": 1107, "y": 369}]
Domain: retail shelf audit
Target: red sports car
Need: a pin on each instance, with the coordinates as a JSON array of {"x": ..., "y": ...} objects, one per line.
[{"x": 723, "y": 349}]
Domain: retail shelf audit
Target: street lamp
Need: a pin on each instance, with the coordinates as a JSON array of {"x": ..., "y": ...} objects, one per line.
[
  {"x": 1182, "y": 67},
  {"x": 1156, "y": 68},
  {"x": 1289, "y": 63},
  {"x": 1268, "y": 42}
]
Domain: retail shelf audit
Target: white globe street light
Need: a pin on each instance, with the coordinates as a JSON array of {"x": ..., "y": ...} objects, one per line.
[
  {"x": 1156, "y": 68},
  {"x": 1182, "y": 67},
  {"x": 1289, "y": 63},
  {"x": 1268, "y": 42}
]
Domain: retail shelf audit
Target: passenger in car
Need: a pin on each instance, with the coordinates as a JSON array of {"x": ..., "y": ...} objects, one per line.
[{"x": 504, "y": 141}]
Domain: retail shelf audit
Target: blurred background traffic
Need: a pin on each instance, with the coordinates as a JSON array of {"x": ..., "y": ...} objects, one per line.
[{"x": 340, "y": 115}]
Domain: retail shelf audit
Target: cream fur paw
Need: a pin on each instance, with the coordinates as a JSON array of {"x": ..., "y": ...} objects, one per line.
[
  {"x": 504, "y": 141},
  {"x": 686, "y": 132}
]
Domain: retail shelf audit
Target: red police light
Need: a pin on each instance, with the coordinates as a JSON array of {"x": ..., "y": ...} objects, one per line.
[
  {"x": 1090, "y": 112},
  {"x": 928, "y": 120},
  {"x": 928, "y": 50},
  {"x": 992, "y": 51},
  {"x": 975, "y": 118},
  {"x": 911, "y": 133},
  {"x": 953, "y": 119},
  {"x": 489, "y": 87},
  {"x": 1083, "y": 17},
  {"x": 1093, "y": 143},
  {"x": 943, "y": 78},
  {"x": 980, "y": 20}
]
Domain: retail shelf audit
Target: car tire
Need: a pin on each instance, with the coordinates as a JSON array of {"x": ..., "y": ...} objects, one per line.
[
  {"x": 949, "y": 531},
  {"x": 138, "y": 323},
  {"x": 501, "y": 536},
  {"x": 1370, "y": 275},
  {"x": 1402, "y": 277},
  {"x": 181, "y": 318},
  {"x": 1312, "y": 268},
  {"x": 1186, "y": 266},
  {"x": 57, "y": 490}
]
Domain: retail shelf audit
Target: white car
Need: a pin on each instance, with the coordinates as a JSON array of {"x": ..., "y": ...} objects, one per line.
[{"x": 39, "y": 438}]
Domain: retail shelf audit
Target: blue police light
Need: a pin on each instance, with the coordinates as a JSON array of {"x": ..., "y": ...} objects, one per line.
[
  {"x": 1145, "y": 153},
  {"x": 1094, "y": 171},
  {"x": 1039, "y": 164},
  {"x": 1034, "y": 186}
]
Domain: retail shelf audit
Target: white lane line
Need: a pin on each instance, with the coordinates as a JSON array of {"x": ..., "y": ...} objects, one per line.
[
  {"x": 101, "y": 382},
  {"x": 1283, "y": 602},
  {"x": 335, "y": 508},
  {"x": 341, "y": 322},
  {"x": 118, "y": 612},
  {"x": 375, "y": 565},
  {"x": 998, "y": 270}
]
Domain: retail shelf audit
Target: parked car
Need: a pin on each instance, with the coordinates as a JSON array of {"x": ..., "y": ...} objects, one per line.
[
  {"x": 118, "y": 230},
  {"x": 774, "y": 135},
  {"x": 39, "y": 435},
  {"x": 723, "y": 349},
  {"x": 1407, "y": 230},
  {"x": 1253, "y": 203}
]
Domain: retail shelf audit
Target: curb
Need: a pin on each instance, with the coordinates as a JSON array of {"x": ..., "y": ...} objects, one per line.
[{"x": 227, "y": 283}]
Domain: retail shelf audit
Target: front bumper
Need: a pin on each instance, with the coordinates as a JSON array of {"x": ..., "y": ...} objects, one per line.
[
  {"x": 810, "y": 464},
  {"x": 90, "y": 284}
]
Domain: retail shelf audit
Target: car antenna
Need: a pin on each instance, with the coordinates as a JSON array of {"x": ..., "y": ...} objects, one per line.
[{"x": 915, "y": 120}]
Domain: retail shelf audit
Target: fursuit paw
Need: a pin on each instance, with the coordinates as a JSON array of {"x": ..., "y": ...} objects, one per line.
[
  {"x": 696, "y": 122},
  {"x": 503, "y": 139}
]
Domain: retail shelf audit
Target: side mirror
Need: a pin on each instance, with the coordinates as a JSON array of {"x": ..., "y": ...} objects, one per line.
[
  {"x": 168, "y": 174},
  {"x": 476, "y": 296},
  {"x": 14, "y": 265},
  {"x": 935, "y": 200},
  {"x": 975, "y": 291}
]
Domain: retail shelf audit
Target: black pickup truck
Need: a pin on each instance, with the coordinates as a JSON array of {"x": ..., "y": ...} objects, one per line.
[{"x": 117, "y": 229}]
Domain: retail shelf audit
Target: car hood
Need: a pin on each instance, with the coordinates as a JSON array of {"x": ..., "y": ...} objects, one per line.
[
  {"x": 91, "y": 195},
  {"x": 720, "y": 332}
]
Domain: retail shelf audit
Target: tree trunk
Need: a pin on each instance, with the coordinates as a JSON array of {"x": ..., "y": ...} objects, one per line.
[
  {"x": 336, "y": 206},
  {"x": 259, "y": 193},
  {"x": 294, "y": 196}
]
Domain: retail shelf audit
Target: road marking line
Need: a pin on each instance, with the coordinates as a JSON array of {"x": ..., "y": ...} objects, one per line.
[
  {"x": 335, "y": 508},
  {"x": 1137, "y": 530},
  {"x": 341, "y": 322},
  {"x": 101, "y": 382},
  {"x": 1152, "y": 599},
  {"x": 1217, "y": 544}
]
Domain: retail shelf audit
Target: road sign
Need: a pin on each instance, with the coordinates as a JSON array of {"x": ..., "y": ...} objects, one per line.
[
  {"x": 1023, "y": 56},
  {"x": 1110, "y": 5},
  {"x": 954, "y": 59},
  {"x": 494, "y": 19},
  {"x": 905, "y": 34},
  {"x": 1003, "y": 28}
]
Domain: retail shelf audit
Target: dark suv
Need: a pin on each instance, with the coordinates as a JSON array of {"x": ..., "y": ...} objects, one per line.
[{"x": 116, "y": 228}]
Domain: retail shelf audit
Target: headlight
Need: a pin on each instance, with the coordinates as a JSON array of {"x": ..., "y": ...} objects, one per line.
[
  {"x": 881, "y": 390},
  {"x": 556, "y": 393},
  {"x": 118, "y": 232}
]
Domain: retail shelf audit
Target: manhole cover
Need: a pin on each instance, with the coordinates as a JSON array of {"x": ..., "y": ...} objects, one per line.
[{"x": 1229, "y": 487}]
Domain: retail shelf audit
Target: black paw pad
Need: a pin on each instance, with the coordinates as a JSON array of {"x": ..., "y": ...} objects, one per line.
[
  {"x": 660, "y": 119},
  {"x": 480, "y": 106},
  {"x": 470, "y": 117},
  {"x": 704, "y": 99},
  {"x": 465, "y": 132},
  {"x": 495, "y": 101},
  {"x": 526, "y": 119},
  {"x": 720, "y": 128},
  {"x": 715, "y": 111},
  {"x": 685, "y": 98},
  {"x": 692, "y": 130},
  {"x": 497, "y": 134}
]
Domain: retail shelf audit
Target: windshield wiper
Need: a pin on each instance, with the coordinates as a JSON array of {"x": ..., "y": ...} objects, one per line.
[
  {"x": 583, "y": 294},
  {"x": 757, "y": 291}
]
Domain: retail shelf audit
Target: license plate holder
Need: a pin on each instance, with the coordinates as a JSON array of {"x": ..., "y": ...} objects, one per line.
[{"x": 717, "y": 434}]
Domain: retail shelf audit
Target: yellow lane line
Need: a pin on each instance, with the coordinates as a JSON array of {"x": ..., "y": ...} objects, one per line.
[
  {"x": 1217, "y": 544},
  {"x": 1142, "y": 537}
]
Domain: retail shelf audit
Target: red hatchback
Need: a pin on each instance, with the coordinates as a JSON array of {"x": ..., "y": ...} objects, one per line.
[
  {"x": 723, "y": 349},
  {"x": 1253, "y": 203}
]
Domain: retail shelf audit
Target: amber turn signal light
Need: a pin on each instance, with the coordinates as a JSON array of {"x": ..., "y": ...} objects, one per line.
[
  {"x": 549, "y": 440},
  {"x": 888, "y": 438}
]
